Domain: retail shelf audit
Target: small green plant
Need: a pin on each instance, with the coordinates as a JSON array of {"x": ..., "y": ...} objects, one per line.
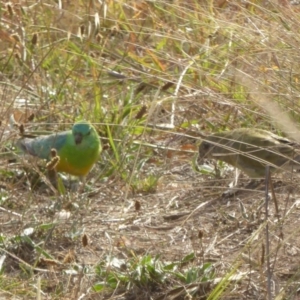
[{"x": 149, "y": 272}]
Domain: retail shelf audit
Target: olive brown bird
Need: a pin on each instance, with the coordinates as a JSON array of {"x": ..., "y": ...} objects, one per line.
[
  {"x": 250, "y": 150},
  {"x": 78, "y": 149}
]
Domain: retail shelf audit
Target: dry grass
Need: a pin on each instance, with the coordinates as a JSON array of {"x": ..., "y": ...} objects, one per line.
[{"x": 147, "y": 225}]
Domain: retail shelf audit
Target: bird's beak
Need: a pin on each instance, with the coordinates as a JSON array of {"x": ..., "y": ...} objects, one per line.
[{"x": 78, "y": 138}]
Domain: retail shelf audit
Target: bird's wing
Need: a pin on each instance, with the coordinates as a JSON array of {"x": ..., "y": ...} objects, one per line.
[{"x": 41, "y": 146}]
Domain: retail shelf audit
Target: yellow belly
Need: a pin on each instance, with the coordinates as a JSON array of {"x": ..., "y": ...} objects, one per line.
[{"x": 65, "y": 166}]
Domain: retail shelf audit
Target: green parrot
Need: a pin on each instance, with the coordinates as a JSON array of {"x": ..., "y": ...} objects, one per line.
[
  {"x": 250, "y": 150},
  {"x": 78, "y": 148}
]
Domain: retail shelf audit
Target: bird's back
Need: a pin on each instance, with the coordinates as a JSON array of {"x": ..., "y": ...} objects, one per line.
[{"x": 251, "y": 150}]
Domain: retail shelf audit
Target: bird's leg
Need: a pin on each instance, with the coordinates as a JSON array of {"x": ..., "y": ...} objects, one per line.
[
  {"x": 82, "y": 183},
  {"x": 78, "y": 185}
]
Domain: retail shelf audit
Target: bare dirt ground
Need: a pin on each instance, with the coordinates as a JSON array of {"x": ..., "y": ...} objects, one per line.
[
  {"x": 185, "y": 214},
  {"x": 126, "y": 66}
]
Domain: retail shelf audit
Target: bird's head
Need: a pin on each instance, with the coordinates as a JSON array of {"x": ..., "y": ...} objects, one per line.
[
  {"x": 81, "y": 130},
  {"x": 205, "y": 151}
]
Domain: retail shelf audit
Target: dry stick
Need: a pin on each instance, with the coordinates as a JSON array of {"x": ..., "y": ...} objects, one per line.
[
  {"x": 79, "y": 282},
  {"x": 173, "y": 108},
  {"x": 269, "y": 181},
  {"x": 38, "y": 288},
  {"x": 276, "y": 207},
  {"x": 280, "y": 227},
  {"x": 267, "y": 233},
  {"x": 30, "y": 267},
  {"x": 202, "y": 205}
]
